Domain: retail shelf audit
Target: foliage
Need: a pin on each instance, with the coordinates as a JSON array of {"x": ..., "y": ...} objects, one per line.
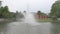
[
  {"x": 5, "y": 13},
  {"x": 19, "y": 14},
  {"x": 40, "y": 13},
  {"x": 55, "y": 10}
]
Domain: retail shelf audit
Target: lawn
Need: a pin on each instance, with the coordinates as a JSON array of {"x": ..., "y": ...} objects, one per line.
[{"x": 44, "y": 20}]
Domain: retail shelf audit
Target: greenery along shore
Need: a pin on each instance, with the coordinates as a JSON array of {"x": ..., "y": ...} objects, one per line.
[{"x": 5, "y": 13}]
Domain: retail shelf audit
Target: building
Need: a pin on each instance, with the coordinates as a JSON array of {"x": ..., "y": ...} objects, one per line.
[{"x": 41, "y": 16}]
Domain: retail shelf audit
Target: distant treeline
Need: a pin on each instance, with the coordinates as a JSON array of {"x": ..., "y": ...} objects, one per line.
[{"x": 5, "y": 13}]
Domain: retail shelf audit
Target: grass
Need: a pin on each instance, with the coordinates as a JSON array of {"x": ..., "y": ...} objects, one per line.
[{"x": 44, "y": 20}]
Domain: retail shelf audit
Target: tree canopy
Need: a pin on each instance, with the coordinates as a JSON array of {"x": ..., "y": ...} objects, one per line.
[
  {"x": 55, "y": 9},
  {"x": 40, "y": 13},
  {"x": 4, "y": 12}
]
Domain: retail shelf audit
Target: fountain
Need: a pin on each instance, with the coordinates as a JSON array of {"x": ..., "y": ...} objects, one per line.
[{"x": 29, "y": 18}]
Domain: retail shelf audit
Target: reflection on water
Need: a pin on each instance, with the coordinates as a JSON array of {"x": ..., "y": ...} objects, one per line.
[
  {"x": 24, "y": 28},
  {"x": 3, "y": 28},
  {"x": 56, "y": 27},
  {"x": 27, "y": 26}
]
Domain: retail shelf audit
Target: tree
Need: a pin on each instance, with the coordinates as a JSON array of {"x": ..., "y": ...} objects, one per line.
[
  {"x": 55, "y": 9},
  {"x": 1, "y": 11},
  {"x": 5, "y": 13},
  {"x": 39, "y": 12}
]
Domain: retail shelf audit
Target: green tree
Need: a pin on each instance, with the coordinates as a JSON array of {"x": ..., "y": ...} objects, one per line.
[
  {"x": 39, "y": 12},
  {"x": 5, "y": 13},
  {"x": 1, "y": 11},
  {"x": 55, "y": 9}
]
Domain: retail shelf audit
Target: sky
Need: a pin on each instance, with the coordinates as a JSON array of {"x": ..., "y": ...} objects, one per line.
[{"x": 30, "y": 5}]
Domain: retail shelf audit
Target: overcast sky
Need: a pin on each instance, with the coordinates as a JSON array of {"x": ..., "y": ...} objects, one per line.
[{"x": 32, "y": 5}]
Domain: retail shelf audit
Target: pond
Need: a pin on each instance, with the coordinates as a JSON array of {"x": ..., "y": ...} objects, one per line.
[{"x": 28, "y": 25}]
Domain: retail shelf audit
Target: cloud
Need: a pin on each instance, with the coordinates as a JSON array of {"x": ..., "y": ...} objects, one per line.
[{"x": 34, "y": 5}]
